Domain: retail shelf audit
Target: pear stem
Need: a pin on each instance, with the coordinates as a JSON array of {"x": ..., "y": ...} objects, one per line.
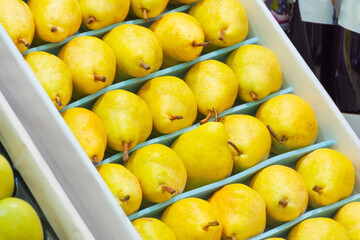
[
  {"x": 222, "y": 33},
  {"x": 172, "y": 118},
  {"x": 283, "y": 202},
  {"x": 95, "y": 160},
  {"x": 168, "y": 189},
  {"x": 317, "y": 189},
  {"x": 210, "y": 224},
  {"x": 216, "y": 114},
  {"x": 58, "y": 100},
  {"x": 233, "y": 236},
  {"x": 100, "y": 78},
  {"x": 235, "y": 147},
  {"x": 23, "y": 41},
  {"x": 144, "y": 65},
  {"x": 126, "y": 198},
  {"x": 90, "y": 20},
  {"x": 207, "y": 118},
  {"x": 126, "y": 152},
  {"x": 53, "y": 29},
  {"x": 145, "y": 14},
  {"x": 274, "y": 135},
  {"x": 254, "y": 96},
  {"x": 204, "y": 44}
]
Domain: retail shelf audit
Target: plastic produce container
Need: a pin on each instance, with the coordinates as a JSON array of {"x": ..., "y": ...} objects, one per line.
[{"x": 79, "y": 179}]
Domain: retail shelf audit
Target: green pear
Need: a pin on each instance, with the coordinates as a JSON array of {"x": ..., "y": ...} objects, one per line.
[
  {"x": 98, "y": 14},
  {"x": 126, "y": 117},
  {"x": 171, "y": 102},
  {"x": 152, "y": 228},
  {"x": 55, "y": 20},
  {"x": 205, "y": 154},
  {"x": 291, "y": 122},
  {"x": 214, "y": 85},
  {"x": 92, "y": 64},
  {"x": 160, "y": 171},
  {"x": 18, "y": 22},
  {"x": 224, "y": 22},
  {"x": 181, "y": 37},
  {"x": 137, "y": 50},
  {"x": 19, "y": 221},
  {"x": 147, "y": 9},
  {"x": 7, "y": 182},
  {"x": 54, "y": 76}
]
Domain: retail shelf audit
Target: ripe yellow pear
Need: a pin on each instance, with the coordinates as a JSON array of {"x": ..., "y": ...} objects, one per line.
[
  {"x": 98, "y": 14},
  {"x": 147, "y": 9},
  {"x": 329, "y": 176},
  {"x": 243, "y": 211},
  {"x": 126, "y": 117},
  {"x": 153, "y": 229},
  {"x": 258, "y": 71},
  {"x": 205, "y": 154},
  {"x": 92, "y": 64},
  {"x": 18, "y": 220},
  {"x": 181, "y": 37},
  {"x": 224, "y": 22},
  {"x": 18, "y": 22},
  {"x": 251, "y": 138},
  {"x": 123, "y": 184},
  {"x": 88, "y": 130},
  {"x": 54, "y": 75},
  {"x": 349, "y": 217},
  {"x": 171, "y": 102},
  {"x": 318, "y": 228},
  {"x": 214, "y": 86},
  {"x": 193, "y": 218},
  {"x": 291, "y": 122},
  {"x": 137, "y": 50},
  {"x": 55, "y": 20},
  {"x": 7, "y": 182},
  {"x": 284, "y": 192},
  {"x": 160, "y": 171}
]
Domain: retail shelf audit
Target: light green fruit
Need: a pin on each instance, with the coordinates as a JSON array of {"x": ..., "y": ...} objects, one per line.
[
  {"x": 6, "y": 179},
  {"x": 153, "y": 229},
  {"x": 19, "y": 221}
]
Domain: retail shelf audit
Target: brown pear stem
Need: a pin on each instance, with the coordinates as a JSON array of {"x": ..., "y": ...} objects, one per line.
[
  {"x": 126, "y": 198},
  {"x": 172, "y": 118},
  {"x": 145, "y": 14},
  {"x": 222, "y": 33},
  {"x": 53, "y": 29},
  {"x": 207, "y": 118},
  {"x": 126, "y": 152},
  {"x": 100, "y": 78},
  {"x": 90, "y": 20},
  {"x": 283, "y": 202},
  {"x": 23, "y": 41},
  {"x": 317, "y": 189},
  {"x": 144, "y": 66},
  {"x": 210, "y": 224},
  {"x": 216, "y": 114},
  {"x": 254, "y": 96},
  {"x": 235, "y": 147},
  {"x": 58, "y": 100},
  {"x": 233, "y": 236},
  {"x": 95, "y": 160},
  {"x": 274, "y": 135},
  {"x": 204, "y": 44},
  {"x": 168, "y": 189}
]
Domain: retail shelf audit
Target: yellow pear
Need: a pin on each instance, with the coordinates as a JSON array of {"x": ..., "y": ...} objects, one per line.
[
  {"x": 137, "y": 50},
  {"x": 291, "y": 122},
  {"x": 329, "y": 176},
  {"x": 147, "y": 9},
  {"x": 193, "y": 218},
  {"x": 349, "y": 217},
  {"x": 7, "y": 182},
  {"x": 160, "y": 171},
  {"x": 205, "y": 154},
  {"x": 18, "y": 22},
  {"x": 126, "y": 117},
  {"x": 181, "y": 37},
  {"x": 284, "y": 192},
  {"x": 258, "y": 71},
  {"x": 251, "y": 138},
  {"x": 318, "y": 228},
  {"x": 214, "y": 86},
  {"x": 224, "y": 22},
  {"x": 92, "y": 64},
  {"x": 18, "y": 220},
  {"x": 98, "y": 14},
  {"x": 171, "y": 102},
  {"x": 243, "y": 211},
  {"x": 153, "y": 229},
  {"x": 123, "y": 184},
  {"x": 55, "y": 20},
  {"x": 88, "y": 130},
  {"x": 54, "y": 76}
]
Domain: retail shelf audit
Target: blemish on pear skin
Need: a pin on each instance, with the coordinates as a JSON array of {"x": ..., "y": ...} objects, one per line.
[
  {"x": 53, "y": 29},
  {"x": 283, "y": 202},
  {"x": 126, "y": 198}
]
